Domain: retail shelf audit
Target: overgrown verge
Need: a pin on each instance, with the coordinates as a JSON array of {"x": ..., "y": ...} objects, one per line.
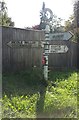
[{"x": 26, "y": 95}]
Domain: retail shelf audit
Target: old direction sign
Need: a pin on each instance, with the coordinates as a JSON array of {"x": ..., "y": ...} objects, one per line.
[
  {"x": 61, "y": 36},
  {"x": 58, "y": 49},
  {"x": 22, "y": 44}
]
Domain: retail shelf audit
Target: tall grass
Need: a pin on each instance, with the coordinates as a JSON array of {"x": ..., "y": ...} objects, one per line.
[{"x": 27, "y": 95}]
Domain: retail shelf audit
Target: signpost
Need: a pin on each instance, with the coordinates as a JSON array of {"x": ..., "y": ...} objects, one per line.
[
  {"x": 58, "y": 49},
  {"x": 61, "y": 36},
  {"x": 46, "y": 21},
  {"x": 48, "y": 36},
  {"x": 22, "y": 44},
  {"x": 46, "y": 53}
]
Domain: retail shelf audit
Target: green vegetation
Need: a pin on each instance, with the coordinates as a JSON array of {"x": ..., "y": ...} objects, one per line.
[
  {"x": 27, "y": 95},
  {"x": 5, "y": 20}
]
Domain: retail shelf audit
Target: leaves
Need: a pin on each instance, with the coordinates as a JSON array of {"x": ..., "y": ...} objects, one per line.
[{"x": 4, "y": 18}]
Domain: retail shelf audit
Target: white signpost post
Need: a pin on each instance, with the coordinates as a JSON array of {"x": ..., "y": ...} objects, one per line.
[
  {"x": 46, "y": 21},
  {"x": 61, "y": 36}
]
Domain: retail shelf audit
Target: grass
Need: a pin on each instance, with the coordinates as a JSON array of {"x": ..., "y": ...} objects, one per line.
[{"x": 26, "y": 95}]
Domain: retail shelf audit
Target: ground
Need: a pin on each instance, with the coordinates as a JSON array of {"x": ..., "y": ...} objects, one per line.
[{"x": 27, "y": 95}]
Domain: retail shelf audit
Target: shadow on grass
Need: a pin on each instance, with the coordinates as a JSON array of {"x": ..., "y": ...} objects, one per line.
[
  {"x": 26, "y": 83},
  {"x": 29, "y": 83},
  {"x": 60, "y": 75},
  {"x": 23, "y": 83},
  {"x": 40, "y": 104}
]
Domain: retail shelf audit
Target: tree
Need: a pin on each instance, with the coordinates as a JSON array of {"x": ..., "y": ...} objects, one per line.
[
  {"x": 69, "y": 24},
  {"x": 56, "y": 25},
  {"x": 4, "y": 18},
  {"x": 76, "y": 16},
  {"x": 36, "y": 27},
  {"x": 72, "y": 24},
  {"x": 76, "y": 13}
]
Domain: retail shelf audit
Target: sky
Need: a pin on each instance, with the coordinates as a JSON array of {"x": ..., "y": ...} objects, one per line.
[{"x": 26, "y": 13}]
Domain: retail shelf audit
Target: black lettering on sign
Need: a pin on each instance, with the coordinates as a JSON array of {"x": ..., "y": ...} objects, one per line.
[{"x": 15, "y": 44}]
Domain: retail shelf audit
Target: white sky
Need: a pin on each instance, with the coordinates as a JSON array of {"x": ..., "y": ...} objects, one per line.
[{"x": 26, "y": 13}]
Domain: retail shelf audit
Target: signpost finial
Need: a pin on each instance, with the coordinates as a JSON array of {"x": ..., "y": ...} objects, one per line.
[{"x": 43, "y": 7}]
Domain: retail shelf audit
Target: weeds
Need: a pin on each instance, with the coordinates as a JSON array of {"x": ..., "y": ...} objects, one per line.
[{"x": 25, "y": 96}]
